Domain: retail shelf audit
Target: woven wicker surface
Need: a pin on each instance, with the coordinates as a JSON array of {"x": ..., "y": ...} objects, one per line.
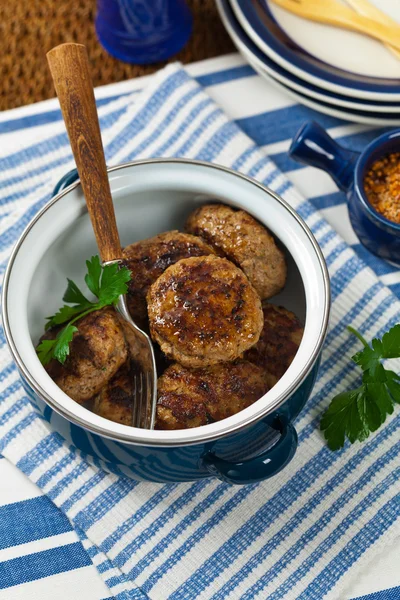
[{"x": 29, "y": 28}]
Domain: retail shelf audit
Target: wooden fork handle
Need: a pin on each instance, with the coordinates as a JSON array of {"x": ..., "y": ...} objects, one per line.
[{"x": 69, "y": 66}]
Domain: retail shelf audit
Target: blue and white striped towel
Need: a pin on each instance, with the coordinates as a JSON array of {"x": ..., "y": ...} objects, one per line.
[{"x": 294, "y": 536}]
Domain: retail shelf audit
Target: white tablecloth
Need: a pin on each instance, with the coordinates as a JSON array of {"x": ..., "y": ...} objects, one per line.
[{"x": 249, "y": 99}]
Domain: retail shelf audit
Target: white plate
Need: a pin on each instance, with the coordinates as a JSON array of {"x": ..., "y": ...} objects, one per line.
[
  {"x": 251, "y": 53},
  {"x": 342, "y": 48},
  {"x": 325, "y": 108},
  {"x": 298, "y": 46}
]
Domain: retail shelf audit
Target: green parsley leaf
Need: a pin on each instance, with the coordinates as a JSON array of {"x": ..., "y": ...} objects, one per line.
[
  {"x": 93, "y": 276},
  {"x": 107, "y": 283},
  {"x": 391, "y": 343},
  {"x": 369, "y": 412},
  {"x": 65, "y": 314},
  {"x": 379, "y": 394},
  {"x": 335, "y": 421},
  {"x": 356, "y": 413},
  {"x": 368, "y": 359},
  {"x": 393, "y": 385},
  {"x": 113, "y": 284},
  {"x": 45, "y": 351},
  {"x": 63, "y": 340},
  {"x": 57, "y": 348},
  {"x": 73, "y": 295}
]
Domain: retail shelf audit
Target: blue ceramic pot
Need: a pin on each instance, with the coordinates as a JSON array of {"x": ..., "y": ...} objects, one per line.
[
  {"x": 273, "y": 441},
  {"x": 313, "y": 146},
  {"x": 151, "y": 196}
]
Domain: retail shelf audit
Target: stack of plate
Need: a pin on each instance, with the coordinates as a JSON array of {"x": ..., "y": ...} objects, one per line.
[{"x": 335, "y": 71}]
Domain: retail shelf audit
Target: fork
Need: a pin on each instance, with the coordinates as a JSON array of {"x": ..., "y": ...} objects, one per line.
[
  {"x": 144, "y": 383},
  {"x": 69, "y": 67},
  {"x": 331, "y": 12}
]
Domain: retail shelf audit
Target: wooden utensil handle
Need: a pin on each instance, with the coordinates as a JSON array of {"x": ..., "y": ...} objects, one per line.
[
  {"x": 69, "y": 66},
  {"x": 333, "y": 13},
  {"x": 364, "y": 7}
]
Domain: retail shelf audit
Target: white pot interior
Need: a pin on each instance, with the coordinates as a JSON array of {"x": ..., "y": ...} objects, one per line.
[{"x": 150, "y": 198}]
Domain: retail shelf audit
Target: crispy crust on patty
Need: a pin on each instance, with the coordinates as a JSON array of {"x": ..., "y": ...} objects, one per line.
[
  {"x": 204, "y": 311},
  {"x": 148, "y": 259},
  {"x": 194, "y": 397},
  {"x": 278, "y": 343},
  {"x": 115, "y": 401},
  {"x": 97, "y": 351},
  {"x": 238, "y": 236}
]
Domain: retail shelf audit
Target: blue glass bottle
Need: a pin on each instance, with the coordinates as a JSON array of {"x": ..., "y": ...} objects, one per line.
[{"x": 143, "y": 31}]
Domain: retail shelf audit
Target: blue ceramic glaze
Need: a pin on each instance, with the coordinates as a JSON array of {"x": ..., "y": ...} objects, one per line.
[
  {"x": 250, "y": 455},
  {"x": 143, "y": 32},
  {"x": 251, "y": 451},
  {"x": 65, "y": 181},
  {"x": 313, "y": 146}
]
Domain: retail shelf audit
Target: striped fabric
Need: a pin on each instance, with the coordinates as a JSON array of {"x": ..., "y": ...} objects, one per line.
[{"x": 304, "y": 534}]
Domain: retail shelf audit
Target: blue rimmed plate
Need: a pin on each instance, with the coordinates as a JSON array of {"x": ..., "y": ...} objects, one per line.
[
  {"x": 355, "y": 116},
  {"x": 331, "y": 103},
  {"x": 317, "y": 53}
]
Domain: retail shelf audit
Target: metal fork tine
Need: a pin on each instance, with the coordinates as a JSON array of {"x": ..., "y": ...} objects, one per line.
[
  {"x": 148, "y": 399},
  {"x": 141, "y": 402},
  {"x": 152, "y": 407},
  {"x": 143, "y": 411},
  {"x": 134, "y": 401},
  {"x": 138, "y": 400},
  {"x": 145, "y": 400},
  {"x": 144, "y": 403},
  {"x": 144, "y": 389},
  {"x": 142, "y": 395}
]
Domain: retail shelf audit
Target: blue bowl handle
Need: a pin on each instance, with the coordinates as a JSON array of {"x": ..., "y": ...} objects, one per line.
[
  {"x": 312, "y": 145},
  {"x": 65, "y": 181},
  {"x": 263, "y": 466}
]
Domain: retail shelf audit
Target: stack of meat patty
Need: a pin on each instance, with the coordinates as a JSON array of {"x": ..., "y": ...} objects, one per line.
[{"x": 202, "y": 295}]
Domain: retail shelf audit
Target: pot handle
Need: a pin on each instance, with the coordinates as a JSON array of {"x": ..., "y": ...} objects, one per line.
[
  {"x": 312, "y": 145},
  {"x": 261, "y": 467},
  {"x": 66, "y": 180}
]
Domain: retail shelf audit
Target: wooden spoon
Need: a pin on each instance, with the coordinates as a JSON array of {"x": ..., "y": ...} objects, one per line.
[{"x": 69, "y": 68}]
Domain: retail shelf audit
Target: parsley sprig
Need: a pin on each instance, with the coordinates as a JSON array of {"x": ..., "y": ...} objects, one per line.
[
  {"x": 357, "y": 413},
  {"x": 106, "y": 283}
]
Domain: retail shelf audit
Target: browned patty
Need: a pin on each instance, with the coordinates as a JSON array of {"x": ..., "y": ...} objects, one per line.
[
  {"x": 147, "y": 259},
  {"x": 238, "y": 236},
  {"x": 115, "y": 401},
  {"x": 97, "y": 351},
  {"x": 204, "y": 311},
  {"x": 278, "y": 343},
  {"x": 190, "y": 398}
]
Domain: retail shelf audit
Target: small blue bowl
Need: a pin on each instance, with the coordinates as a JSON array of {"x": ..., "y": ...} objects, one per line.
[{"x": 313, "y": 146}]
